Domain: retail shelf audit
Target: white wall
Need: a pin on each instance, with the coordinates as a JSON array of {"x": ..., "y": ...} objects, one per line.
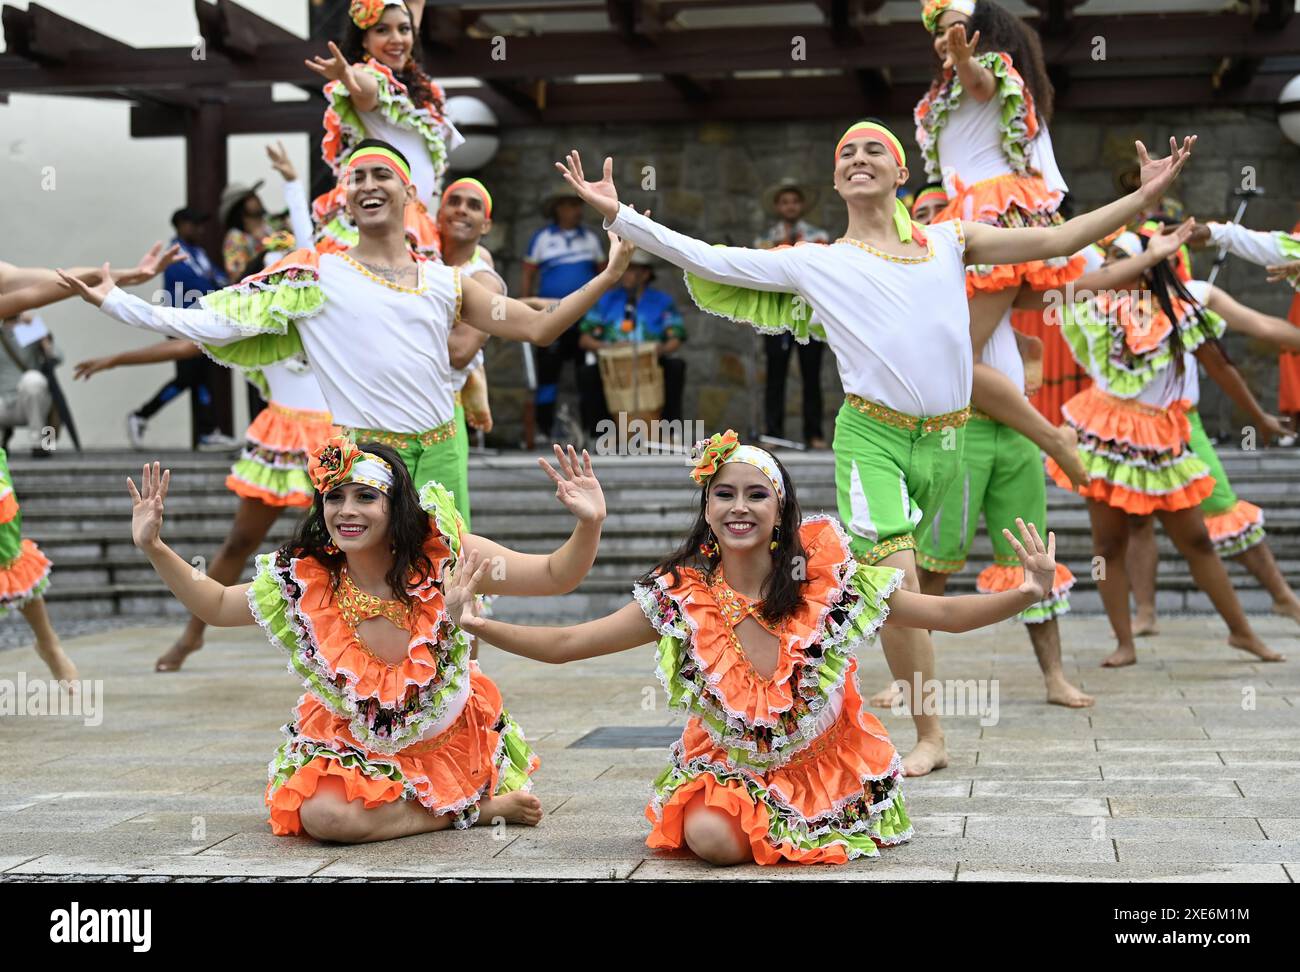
[{"x": 111, "y": 198}]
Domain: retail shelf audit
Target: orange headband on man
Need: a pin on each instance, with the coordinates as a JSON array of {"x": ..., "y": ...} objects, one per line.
[
  {"x": 376, "y": 153},
  {"x": 929, "y": 195},
  {"x": 878, "y": 132},
  {"x": 474, "y": 186}
]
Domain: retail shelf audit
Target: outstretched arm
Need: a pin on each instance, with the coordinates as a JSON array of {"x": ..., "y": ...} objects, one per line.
[
  {"x": 167, "y": 350},
  {"x": 993, "y": 244},
  {"x": 210, "y": 602},
  {"x": 1252, "y": 323},
  {"x": 26, "y": 288},
  {"x": 500, "y": 316},
  {"x": 559, "y": 572},
  {"x": 1233, "y": 383},
  {"x": 1263, "y": 248},
  {"x": 969, "y": 611},
  {"x": 757, "y": 269}
]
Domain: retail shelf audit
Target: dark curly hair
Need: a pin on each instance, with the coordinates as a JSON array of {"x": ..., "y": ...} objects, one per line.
[
  {"x": 408, "y": 530},
  {"x": 1002, "y": 31},
  {"x": 782, "y": 592},
  {"x": 419, "y": 85}
]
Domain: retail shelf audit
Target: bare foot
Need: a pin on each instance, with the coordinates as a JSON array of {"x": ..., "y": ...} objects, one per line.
[
  {"x": 1066, "y": 453},
  {"x": 1291, "y": 610},
  {"x": 1145, "y": 623},
  {"x": 172, "y": 659},
  {"x": 1254, "y": 646},
  {"x": 926, "y": 756},
  {"x": 516, "y": 807},
  {"x": 886, "y": 697},
  {"x": 1061, "y": 692},
  {"x": 59, "y": 664},
  {"x": 1121, "y": 656}
]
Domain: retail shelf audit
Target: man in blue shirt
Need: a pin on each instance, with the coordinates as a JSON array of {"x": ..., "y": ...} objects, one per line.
[
  {"x": 637, "y": 311},
  {"x": 561, "y": 257},
  {"x": 184, "y": 283}
]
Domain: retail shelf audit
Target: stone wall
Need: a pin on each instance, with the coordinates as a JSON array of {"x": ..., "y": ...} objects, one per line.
[{"x": 708, "y": 180}]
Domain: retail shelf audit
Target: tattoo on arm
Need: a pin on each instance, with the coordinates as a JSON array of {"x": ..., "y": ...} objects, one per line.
[{"x": 552, "y": 306}]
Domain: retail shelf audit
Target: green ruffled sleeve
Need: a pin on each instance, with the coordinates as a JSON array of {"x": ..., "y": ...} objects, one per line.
[
  {"x": 870, "y": 587},
  {"x": 267, "y": 307},
  {"x": 438, "y": 502},
  {"x": 770, "y": 312}
]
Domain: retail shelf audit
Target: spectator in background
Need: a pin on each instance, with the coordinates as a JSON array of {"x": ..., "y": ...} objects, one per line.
[
  {"x": 788, "y": 201},
  {"x": 24, "y": 391},
  {"x": 244, "y": 219},
  {"x": 561, "y": 257},
  {"x": 183, "y": 284},
  {"x": 634, "y": 310}
]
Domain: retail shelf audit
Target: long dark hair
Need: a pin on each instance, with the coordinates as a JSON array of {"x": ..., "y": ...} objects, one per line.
[
  {"x": 782, "y": 592},
  {"x": 419, "y": 85},
  {"x": 1005, "y": 32},
  {"x": 408, "y": 530},
  {"x": 1165, "y": 286}
]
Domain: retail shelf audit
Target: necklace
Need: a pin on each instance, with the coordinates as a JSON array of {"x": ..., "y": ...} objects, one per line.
[
  {"x": 355, "y": 605},
  {"x": 388, "y": 276}
]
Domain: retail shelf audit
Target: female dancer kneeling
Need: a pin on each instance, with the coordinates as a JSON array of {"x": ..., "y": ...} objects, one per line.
[
  {"x": 757, "y": 616},
  {"x": 398, "y": 731}
]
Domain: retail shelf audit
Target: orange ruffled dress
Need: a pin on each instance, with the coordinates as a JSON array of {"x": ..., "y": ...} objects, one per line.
[
  {"x": 432, "y": 729},
  {"x": 398, "y": 120},
  {"x": 810, "y": 776},
  {"x": 995, "y": 160},
  {"x": 24, "y": 570},
  {"x": 1133, "y": 428}
]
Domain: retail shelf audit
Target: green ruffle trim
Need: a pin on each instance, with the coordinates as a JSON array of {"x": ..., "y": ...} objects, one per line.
[
  {"x": 1013, "y": 115},
  {"x": 515, "y": 760},
  {"x": 1233, "y": 546},
  {"x": 281, "y": 482},
  {"x": 1052, "y": 606},
  {"x": 856, "y": 826},
  {"x": 267, "y": 309},
  {"x": 438, "y": 502},
  {"x": 768, "y": 311},
  {"x": 1100, "y": 347},
  {"x": 294, "y": 754},
  {"x": 1159, "y": 481},
  {"x": 397, "y": 108},
  {"x": 1288, "y": 244}
]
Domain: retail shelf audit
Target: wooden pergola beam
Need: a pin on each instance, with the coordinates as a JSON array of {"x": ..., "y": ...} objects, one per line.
[
  {"x": 42, "y": 35},
  {"x": 237, "y": 31}
]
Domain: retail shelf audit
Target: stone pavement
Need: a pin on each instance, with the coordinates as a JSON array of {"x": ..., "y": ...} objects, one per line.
[{"x": 1187, "y": 769}]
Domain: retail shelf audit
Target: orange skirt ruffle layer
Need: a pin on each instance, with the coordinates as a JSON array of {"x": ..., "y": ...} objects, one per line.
[
  {"x": 1005, "y": 577},
  {"x": 1230, "y": 524},
  {"x": 23, "y": 574},
  {"x": 448, "y": 772},
  {"x": 828, "y": 773}
]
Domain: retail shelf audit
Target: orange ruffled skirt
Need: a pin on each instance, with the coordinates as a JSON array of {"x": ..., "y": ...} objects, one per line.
[
  {"x": 1137, "y": 455},
  {"x": 272, "y": 468},
  {"x": 846, "y": 776},
  {"x": 1015, "y": 202},
  {"x": 481, "y": 754}
]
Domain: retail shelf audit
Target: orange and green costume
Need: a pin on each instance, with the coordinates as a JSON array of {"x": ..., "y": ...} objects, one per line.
[
  {"x": 792, "y": 756},
  {"x": 432, "y": 729},
  {"x": 24, "y": 570}
]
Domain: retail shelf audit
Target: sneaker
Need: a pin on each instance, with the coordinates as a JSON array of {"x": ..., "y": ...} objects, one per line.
[
  {"x": 135, "y": 426},
  {"x": 216, "y": 441}
]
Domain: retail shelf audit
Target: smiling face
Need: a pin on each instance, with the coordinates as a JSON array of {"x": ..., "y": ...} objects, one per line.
[
  {"x": 928, "y": 210},
  {"x": 356, "y": 516},
  {"x": 866, "y": 170},
  {"x": 742, "y": 508},
  {"x": 463, "y": 216},
  {"x": 390, "y": 41},
  {"x": 948, "y": 18},
  {"x": 377, "y": 196}
]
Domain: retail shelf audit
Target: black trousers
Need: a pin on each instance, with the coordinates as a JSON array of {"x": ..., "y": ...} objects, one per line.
[
  {"x": 192, "y": 376},
  {"x": 592, "y": 390},
  {"x": 550, "y": 362},
  {"x": 777, "y": 349}
]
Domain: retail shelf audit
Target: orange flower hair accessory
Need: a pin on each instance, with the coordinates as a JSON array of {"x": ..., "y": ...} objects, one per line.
[
  {"x": 933, "y": 10},
  {"x": 366, "y": 13},
  {"x": 339, "y": 461},
  {"x": 724, "y": 447}
]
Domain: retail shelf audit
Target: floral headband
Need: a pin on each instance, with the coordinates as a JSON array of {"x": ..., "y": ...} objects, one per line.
[
  {"x": 366, "y": 13},
  {"x": 725, "y": 447},
  {"x": 936, "y": 8},
  {"x": 339, "y": 461}
]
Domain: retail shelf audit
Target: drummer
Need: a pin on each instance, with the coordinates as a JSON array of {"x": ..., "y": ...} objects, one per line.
[{"x": 634, "y": 311}]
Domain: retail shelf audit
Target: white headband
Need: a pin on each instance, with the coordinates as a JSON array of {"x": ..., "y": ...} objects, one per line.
[{"x": 372, "y": 471}]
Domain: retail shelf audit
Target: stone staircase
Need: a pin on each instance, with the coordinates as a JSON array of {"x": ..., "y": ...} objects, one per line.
[{"x": 77, "y": 508}]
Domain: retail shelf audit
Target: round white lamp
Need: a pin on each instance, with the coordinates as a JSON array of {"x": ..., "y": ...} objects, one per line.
[
  {"x": 1288, "y": 110},
  {"x": 478, "y": 123}
]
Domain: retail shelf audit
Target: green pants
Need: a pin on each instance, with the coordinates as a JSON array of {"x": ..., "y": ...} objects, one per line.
[
  {"x": 1223, "y": 498},
  {"x": 430, "y": 456},
  {"x": 891, "y": 473},
  {"x": 1234, "y": 524}
]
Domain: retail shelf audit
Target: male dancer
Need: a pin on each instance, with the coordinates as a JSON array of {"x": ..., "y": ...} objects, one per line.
[
  {"x": 374, "y": 321},
  {"x": 890, "y": 299}
]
